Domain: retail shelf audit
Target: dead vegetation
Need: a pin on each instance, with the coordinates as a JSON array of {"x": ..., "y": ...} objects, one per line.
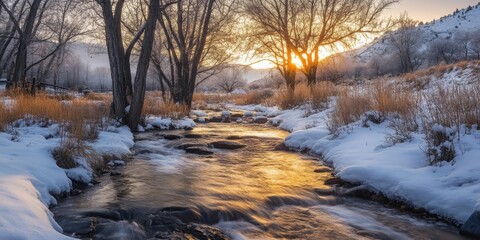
[
  {"x": 81, "y": 117},
  {"x": 350, "y": 106},
  {"x": 79, "y": 120},
  {"x": 157, "y": 107}
]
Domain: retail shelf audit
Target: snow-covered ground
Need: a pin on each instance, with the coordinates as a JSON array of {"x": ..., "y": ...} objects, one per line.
[
  {"x": 29, "y": 177},
  {"x": 168, "y": 123}
]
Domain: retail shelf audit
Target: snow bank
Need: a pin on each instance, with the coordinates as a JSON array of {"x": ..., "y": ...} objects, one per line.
[
  {"x": 28, "y": 174},
  {"x": 256, "y": 110},
  {"x": 114, "y": 142},
  {"x": 199, "y": 113},
  {"x": 168, "y": 123},
  {"x": 29, "y": 177}
]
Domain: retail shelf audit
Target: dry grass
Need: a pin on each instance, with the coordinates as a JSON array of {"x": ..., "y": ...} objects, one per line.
[
  {"x": 401, "y": 105},
  {"x": 391, "y": 99},
  {"x": 454, "y": 107},
  {"x": 71, "y": 149},
  {"x": 317, "y": 95},
  {"x": 449, "y": 112},
  {"x": 421, "y": 78},
  {"x": 214, "y": 98},
  {"x": 320, "y": 94},
  {"x": 104, "y": 97},
  {"x": 155, "y": 106},
  {"x": 3, "y": 117},
  {"x": 81, "y": 118},
  {"x": 254, "y": 97},
  {"x": 351, "y": 105}
]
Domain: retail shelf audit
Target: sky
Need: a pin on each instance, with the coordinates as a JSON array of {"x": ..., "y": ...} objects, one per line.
[{"x": 427, "y": 10}]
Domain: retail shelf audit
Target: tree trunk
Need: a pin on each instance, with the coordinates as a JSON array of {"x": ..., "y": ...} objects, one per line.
[
  {"x": 311, "y": 74},
  {"x": 143, "y": 62},
  {"x": 26, "y": 35},
  {"x": 116, "y": 58}
]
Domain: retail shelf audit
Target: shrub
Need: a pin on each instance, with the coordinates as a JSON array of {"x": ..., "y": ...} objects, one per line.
[
  {"x": 453, "y": 107},
  {"x": 71, "y": 150},
  {"x": 440, "y": 145},
  {"x": 449, "y": 110}
]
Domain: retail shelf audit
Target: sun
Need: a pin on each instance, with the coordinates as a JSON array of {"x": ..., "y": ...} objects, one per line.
[{"x": 267, "y": 64}]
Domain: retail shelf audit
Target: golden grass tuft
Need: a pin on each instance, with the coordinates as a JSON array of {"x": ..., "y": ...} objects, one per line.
[
  {"x": 71, "y": 149},
  {"x": 320, "y": 94},
  {"x": 317, "y": 95},
  {"x": 453, "y": 107},
  {"x": 3, "y": 117},
  {"x": 254, "y": 97},
  {"x": 155, "y": 106},
  {"x": 351, "y": 105},
  {"x": 392, "y": 99}
]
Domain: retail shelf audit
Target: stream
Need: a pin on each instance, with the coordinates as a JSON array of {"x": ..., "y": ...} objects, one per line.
[{"x": 253, "y": 192}]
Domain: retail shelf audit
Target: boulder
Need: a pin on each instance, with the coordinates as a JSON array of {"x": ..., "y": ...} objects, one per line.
[
  {"x": 189, "y": 145},
  {"x": 199, "y": 150},
  {"x": 172, "y": 137},
  {"x": 323, "y": 170},
  {"x": 216, "y": 119},
  {"x": 248, "y": 114},
  {"x": 237, "y": 115},
  {"x": 193, "y": 135},
  {"x": 260, "y": 120},
  {"x": 471, "y": 228},
  {"x": 234, "y": 137},
  {"x": 281, "y": 147},
  {"x": 226, "y": 114},
  {"x": 226, "y": 120},
  {"x": 227, "y": 145}
]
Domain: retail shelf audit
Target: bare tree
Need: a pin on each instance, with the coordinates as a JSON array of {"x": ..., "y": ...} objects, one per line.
[
  {"x": 119, "y": 57},
  {"x": 230, "y": 80},
  {"x": 405, "y": 41},
  {"x": 37, "y": 31},
  {"x": 475, "y": 45},
  {"x": 272, "y": 47},
  {"x": 463, "y": 39},
  {"x": 310, "y": 26},
  {"x": 197, "y": 37},
  {"x": 26, "y": 34},
  {"x": 443, "y": 50}
]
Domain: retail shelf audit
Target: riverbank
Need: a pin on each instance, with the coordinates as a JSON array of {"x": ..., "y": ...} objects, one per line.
[
  {"x": 360, "y": 155},
  {"x": 31, "y": 179}
]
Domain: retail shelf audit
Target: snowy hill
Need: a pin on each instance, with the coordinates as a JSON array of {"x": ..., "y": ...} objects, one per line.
[{"x": 447, "y": 27}]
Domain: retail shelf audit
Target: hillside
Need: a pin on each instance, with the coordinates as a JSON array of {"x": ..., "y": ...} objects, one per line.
[{"x": 464, "y": 20}]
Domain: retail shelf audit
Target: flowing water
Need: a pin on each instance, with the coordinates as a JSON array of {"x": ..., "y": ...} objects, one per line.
[{"x": 250, "y": 193}]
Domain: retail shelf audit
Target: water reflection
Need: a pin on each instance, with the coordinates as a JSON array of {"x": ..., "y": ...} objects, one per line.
[{"x": 254, "y": 192}]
